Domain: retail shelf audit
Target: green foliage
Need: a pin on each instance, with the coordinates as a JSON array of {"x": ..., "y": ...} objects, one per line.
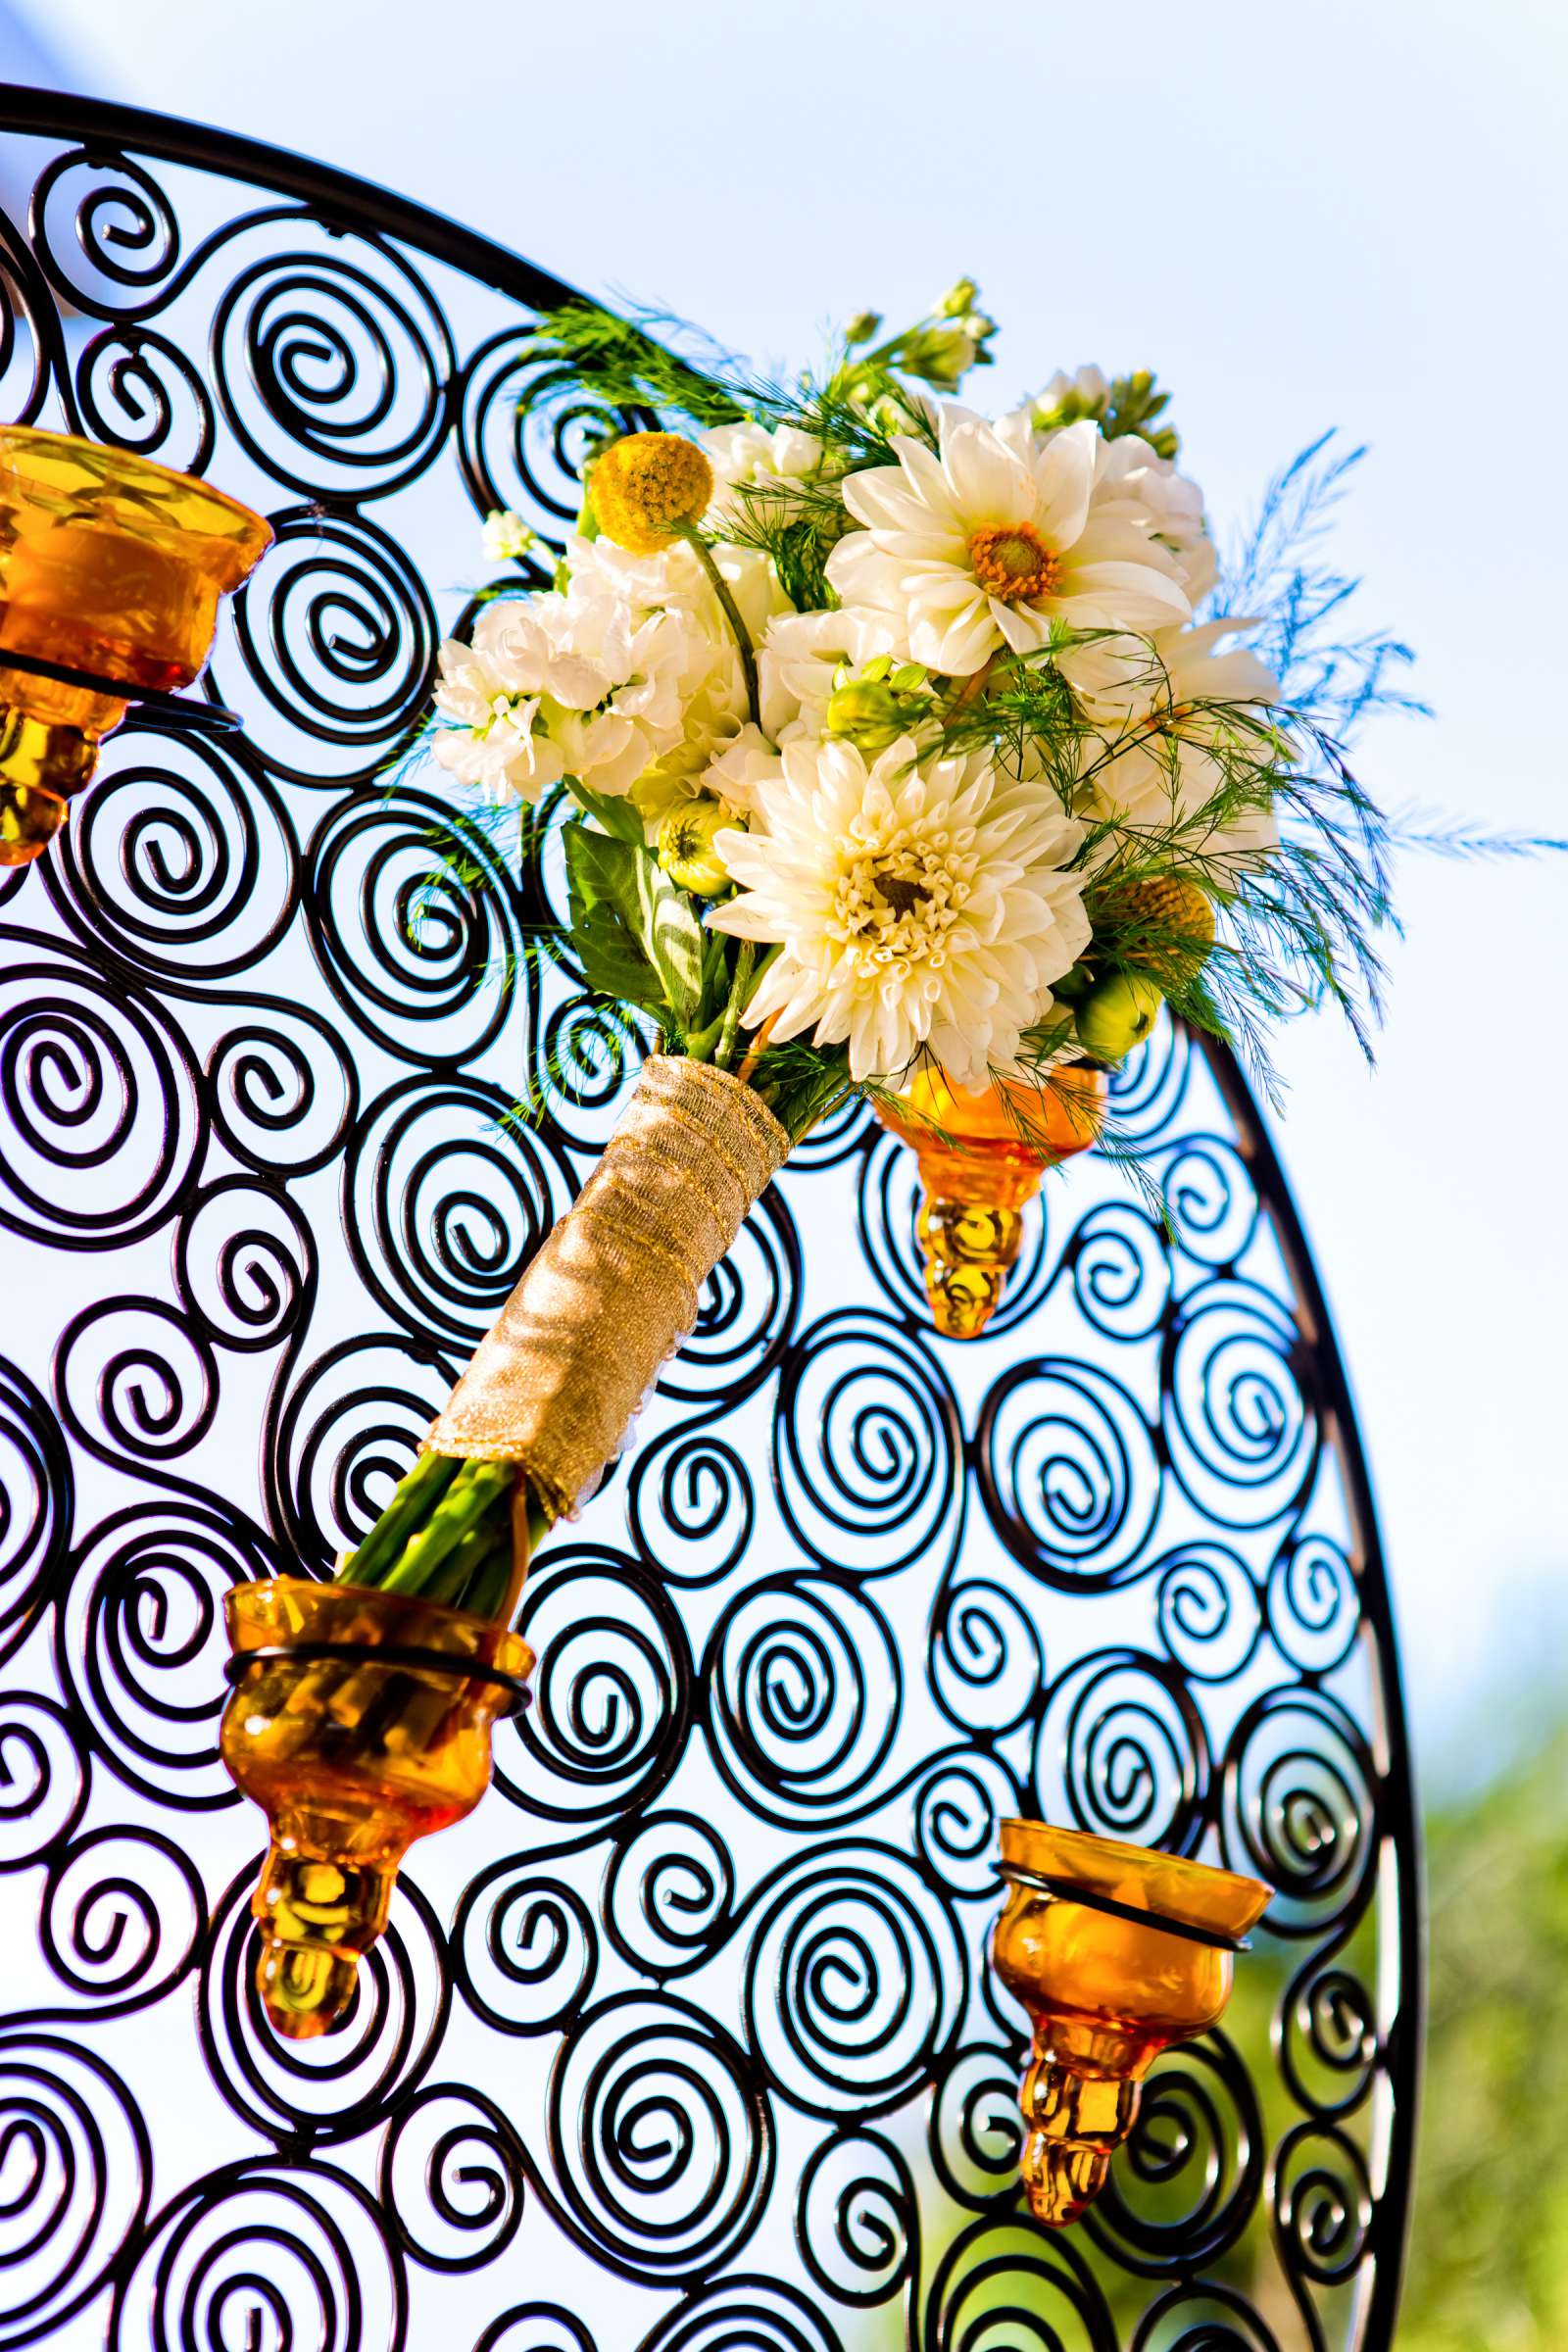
[
  {"x": 1135, "y": 403},
  {"x": 636, "y": 937},
  {"x": 1489, "y": 2269},
  {"x": 606, "y": 910},
  {"x": 1276, "y": 573}
]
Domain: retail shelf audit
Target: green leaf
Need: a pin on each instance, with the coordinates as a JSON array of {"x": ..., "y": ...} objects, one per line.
[
  {"x": 614, "y": 963},
  {"x": 641, "y": 931},
  {"x": 606, "y": 918},
  {"x": 634, "y": 933},
  {"x": 617, "y": 816},
  {"x": 672, "y": 937},
  {"x": 601, "y": 871}
]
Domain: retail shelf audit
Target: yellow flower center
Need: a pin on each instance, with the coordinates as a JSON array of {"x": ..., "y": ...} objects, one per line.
[
  {"x": 647, "y": 487},
  {"x": 895, "y": 905},
  {"x": 1012, "y": 562}
]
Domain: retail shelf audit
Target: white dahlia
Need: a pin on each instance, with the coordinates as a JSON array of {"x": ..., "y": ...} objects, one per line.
[
  {"x": 987, "y": 540},
  {"x": 1165, "y": 764},
  {"x": 916, "y": 908}
]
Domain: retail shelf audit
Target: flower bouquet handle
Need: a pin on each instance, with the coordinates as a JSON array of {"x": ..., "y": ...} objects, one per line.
[{"x": 363, "y": 1709}]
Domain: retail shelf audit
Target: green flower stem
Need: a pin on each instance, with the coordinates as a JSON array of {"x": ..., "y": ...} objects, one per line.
[
  {"x": 446, "y": 1537},
  {"x": 732, "y": 613},
  {"x": 702, "y": 1044},
  {"x": 465, "y": 1502},
  {"x": 739, "y": 991},
  {"x": 489, "y": 1589},
  {"x": 417, "y": 1497},
  {"x": 467, "y": 1560}
]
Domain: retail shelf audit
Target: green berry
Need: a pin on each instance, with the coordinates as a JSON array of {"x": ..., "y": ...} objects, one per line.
[{"x": 1117, "y": 1014}]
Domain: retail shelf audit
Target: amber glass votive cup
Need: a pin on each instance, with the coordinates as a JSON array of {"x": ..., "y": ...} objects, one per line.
[
  {"x": 1115, "y": 1952},
  {"x": 359, "y": 1721},
  {"x": 109, "y": 564}
]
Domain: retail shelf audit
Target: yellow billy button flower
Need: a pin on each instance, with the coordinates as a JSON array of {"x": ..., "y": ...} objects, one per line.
[
  {"x": 1179, "y": 916},
  {"x": 686, "y": 848},
  {"x": 648, "y": 488}
]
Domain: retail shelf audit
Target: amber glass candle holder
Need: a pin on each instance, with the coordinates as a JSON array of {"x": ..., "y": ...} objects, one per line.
[
  {"x": 109, "y": 565},
  {"x": 981, "y": 1158},
  {"x": 1115, "y": 1953},
  {"x": 359, "y": 1721}
]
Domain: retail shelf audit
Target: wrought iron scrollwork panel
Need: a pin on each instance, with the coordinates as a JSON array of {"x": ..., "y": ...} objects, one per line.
[{"x": 686, "y": 2040}]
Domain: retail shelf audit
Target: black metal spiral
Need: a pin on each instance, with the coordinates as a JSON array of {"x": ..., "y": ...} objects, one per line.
[{"x": 686, "y": 2041}]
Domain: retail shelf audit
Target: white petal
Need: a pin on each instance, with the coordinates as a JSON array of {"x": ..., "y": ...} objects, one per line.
[
  {"x": 990, "y": 484},
  {"x": 1064, "y": 477}
]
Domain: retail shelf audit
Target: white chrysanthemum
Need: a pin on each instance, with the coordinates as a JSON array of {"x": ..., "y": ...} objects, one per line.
[
  {"x": 986, "y": 541},
  {"x": 914, "y": 906},
  {"x": 1170, "y": 765},
  {"x": 749, "y": 453},
  {"x": 506, "y": 535},
  {"x": 798, "y": 659},
  {"x": 562, "y": 685}
]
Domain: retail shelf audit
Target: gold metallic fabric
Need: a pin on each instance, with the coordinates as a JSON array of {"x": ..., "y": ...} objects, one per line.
[{"x": 554, "y": 1385}]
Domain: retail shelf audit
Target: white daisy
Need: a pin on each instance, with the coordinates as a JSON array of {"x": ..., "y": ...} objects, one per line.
[
  {"x": 985, "y": 541},
  {"x": 1161, "y": 764},
  {"x": 916, "y": 908}
]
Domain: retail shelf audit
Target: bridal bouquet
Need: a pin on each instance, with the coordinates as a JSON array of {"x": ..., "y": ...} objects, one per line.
[{"x": 906, "y": 752}]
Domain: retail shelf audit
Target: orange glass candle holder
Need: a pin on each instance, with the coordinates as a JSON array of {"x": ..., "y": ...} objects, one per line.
[
  {"x": 1115, "y": 1952},
  {"x": 359, "y": 1721},
  {"x": 110, "y": 565},
  {"x": 981, "y": 1158}
]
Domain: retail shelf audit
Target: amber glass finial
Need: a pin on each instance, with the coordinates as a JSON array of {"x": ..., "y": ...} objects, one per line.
[
  {"x": 1115, "y": 1953},
  {"x": 108, "y": 563},
  {"x": 352, "y": 1756},
  {"x": 981, "y": 1157}
]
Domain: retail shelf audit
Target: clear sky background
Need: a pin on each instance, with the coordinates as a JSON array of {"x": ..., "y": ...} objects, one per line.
[{"x": 1347, "y": 213}]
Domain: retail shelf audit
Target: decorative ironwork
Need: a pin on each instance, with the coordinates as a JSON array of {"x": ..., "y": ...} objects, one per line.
[{"x": 686, "y": 2038}]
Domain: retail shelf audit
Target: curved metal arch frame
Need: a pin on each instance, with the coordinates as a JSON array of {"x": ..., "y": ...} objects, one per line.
[{"x": 130, "y": 1681}]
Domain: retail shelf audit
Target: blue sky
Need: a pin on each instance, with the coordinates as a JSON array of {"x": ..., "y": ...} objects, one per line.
[{"x": 1337, "y": 215}]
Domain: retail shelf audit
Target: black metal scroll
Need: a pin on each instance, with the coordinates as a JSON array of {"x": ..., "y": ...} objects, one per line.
[{"x": 686, "y": 2041}]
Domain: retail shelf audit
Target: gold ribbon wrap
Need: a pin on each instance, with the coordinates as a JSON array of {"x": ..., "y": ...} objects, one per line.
[{"x": 556, "y": 1382}]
